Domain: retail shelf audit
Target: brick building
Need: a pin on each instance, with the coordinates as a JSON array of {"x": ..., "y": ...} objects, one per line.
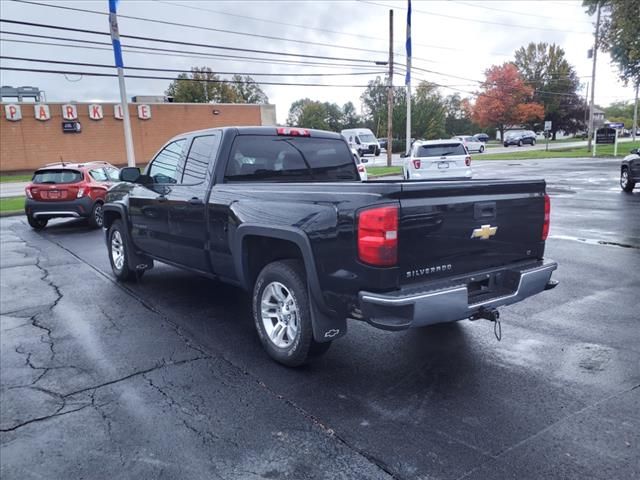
[{"x": 32, "y": 135}]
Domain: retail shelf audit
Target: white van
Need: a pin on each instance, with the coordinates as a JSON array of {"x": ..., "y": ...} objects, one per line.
[{"x": 363, "y": 140}]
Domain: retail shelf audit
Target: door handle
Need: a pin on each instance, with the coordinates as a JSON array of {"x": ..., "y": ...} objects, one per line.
[
  {"x": 161, "y": 198},
  {"x": 195, "y": 201}
]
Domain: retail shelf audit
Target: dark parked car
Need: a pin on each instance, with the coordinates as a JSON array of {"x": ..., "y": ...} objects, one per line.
[
  {"x": 630, "y": 170},
  {"x": 282, "y": 213},
  {"x": 68, "y": 190},
  {"x": 519, "y": 138},
  {"x": 382, "y": 142},
  {"x": 483, "y": 137}
]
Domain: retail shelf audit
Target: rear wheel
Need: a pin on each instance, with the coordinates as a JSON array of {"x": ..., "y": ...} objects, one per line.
[
  {"x": 96, "y": 219},
  {"x": 37, "y": 223},
  {"x": 626, "y": 183},
  {"x": 282, "y": 315},
  {"x": 377, "y": 152},
  {"x": 118, "y": 253},
  {"x": 533, "y": 142},
  {"x": 519, "y": 143},
  {"x": 481, "y": 148}
]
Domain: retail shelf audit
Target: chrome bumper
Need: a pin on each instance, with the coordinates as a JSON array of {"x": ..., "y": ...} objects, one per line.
[{"x": 399, "y": 310}]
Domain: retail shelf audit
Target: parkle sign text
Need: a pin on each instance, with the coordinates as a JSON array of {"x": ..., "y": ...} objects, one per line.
[{"x": 69, "y": 112}]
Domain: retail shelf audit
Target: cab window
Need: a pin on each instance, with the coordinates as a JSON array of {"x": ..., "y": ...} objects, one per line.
[
  {"x": 99, "y": 175},
  {"x": 164, "y": 167},
  {"x": 202, "y": 150}
]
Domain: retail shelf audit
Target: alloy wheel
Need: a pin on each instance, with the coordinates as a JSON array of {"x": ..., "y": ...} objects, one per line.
[
  {"x": 279, "y": 313},
  {"x": 117, "y": 250}
]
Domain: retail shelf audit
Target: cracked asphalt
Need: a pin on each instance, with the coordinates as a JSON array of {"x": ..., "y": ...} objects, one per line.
[{"x": 165, "y": 378}]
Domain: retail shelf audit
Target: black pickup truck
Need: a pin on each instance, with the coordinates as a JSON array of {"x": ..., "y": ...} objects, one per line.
[{"x": 282, "y": 213}]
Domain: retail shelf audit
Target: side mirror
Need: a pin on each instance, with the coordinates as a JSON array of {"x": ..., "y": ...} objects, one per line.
[
  {"x": 129, "y": 174},
  {"x": 635, "y": 151},
  {"x": 357, "y": 141},
  {"x": 364, "y": 160}
]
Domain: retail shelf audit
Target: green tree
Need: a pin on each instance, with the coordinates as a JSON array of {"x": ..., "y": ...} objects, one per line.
[
  {"x": 374, "y": 100},
  {"x": 246, "y": 90},
  {"x": 555, "y": 84},
  {"x": 309, "y": 113},
  {"x": 201, "y": 85},
  {"x": 620, "y": 112},
  {"x": 427, "y": 112},
  {"x": 350, "y": 118},
  {"x": 457, "y": 118},
  {"x": 620, "y": 34}
]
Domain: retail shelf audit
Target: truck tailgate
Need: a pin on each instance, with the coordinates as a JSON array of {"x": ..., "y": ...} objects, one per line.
[{"x": 451, "y": 228}]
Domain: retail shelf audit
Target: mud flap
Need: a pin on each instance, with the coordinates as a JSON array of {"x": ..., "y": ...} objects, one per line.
[{"x": 325, "y": 327}]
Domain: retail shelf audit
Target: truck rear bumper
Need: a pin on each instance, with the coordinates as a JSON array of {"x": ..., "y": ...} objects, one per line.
[{"x": 418, "y": 307}]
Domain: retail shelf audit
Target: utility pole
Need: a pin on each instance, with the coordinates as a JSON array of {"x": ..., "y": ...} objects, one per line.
[
  {"x": 586, "y": 106},
  {"x": 635, "y": 112},
  {"x": 593, "y": 80},
  {"x": 408, "y": 79},
  {"x": 390, "y": 94},
  {"x": 117, "y": 52}
]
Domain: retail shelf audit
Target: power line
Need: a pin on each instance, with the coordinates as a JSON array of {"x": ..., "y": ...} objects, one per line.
[
  {"x": 178, "y": 53},
  {"x": 306, "y": 27},
  {"x": 179, "y": 42},
  {"x": 199, "y": 27},
  {"x": 147, "y": 77},
  {"x": 475, "y": 20},
  {"x": 510, "y": 12},
  {"x": 170, "y": 70}
]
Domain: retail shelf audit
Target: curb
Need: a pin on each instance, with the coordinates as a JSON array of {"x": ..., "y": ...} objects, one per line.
[{"x": 11, "y": 214}]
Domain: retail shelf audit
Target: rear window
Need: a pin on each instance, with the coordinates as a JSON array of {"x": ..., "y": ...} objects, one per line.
[
  {"x": 441, "y": 150},
  {"x": 57, "y": 176},
  {"x": 287, "y": 159}
]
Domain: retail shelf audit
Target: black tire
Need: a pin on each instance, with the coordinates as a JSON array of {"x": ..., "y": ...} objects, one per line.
[
  {"x": 519, "y": 143},
  {"x": 96, "y": 219},
  {"x": 298, "y": 349},
  {"x": 533, "y": 142},
  {"x": 481, "y": 148},
  {"x": 37, "y": 224},
  {"x": 506, "y": 145},
  {"x": 626, "y": 184},
  {"x": 377, "y": 152},
  {"x": 119, "y": 266}
]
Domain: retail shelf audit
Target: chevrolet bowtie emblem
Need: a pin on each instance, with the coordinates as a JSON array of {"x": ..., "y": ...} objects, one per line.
[{"x": 484, "y": 232}]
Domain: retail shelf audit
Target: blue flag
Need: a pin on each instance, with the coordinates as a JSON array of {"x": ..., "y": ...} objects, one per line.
[
  {"x": 115, "y": 35},
  {"x": 407, "y": 79}
]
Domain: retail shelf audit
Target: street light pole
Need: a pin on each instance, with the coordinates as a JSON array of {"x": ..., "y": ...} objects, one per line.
[
  {"x": 117, "y": 52},
  {"x": 408, "y": 79},
  {"x": 635, "y": 113},
  {"x": 390, "y": 94},
  {"x": 593, "y": 80}
]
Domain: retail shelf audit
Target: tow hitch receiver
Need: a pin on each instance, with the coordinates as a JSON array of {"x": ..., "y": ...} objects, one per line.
[{"x": 493, "y": 315}]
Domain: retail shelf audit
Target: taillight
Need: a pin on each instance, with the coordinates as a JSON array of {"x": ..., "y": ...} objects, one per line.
[
  {"x": 467, "y": 160},
  {"x": 28, "y": 193},
  {"x": 378, "y": 236},
  {"x": 416, "y": 163},
  {"x": 547, "y": 217},
  {"x": 361, "y": 169},
  {"x": 82, "y": 191},
  {"x": 293, "y": 132}
]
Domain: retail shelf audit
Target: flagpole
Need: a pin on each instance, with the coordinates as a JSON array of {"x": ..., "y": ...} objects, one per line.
[
  {"x": 117, "y": 53},
  {"x": 408, "y": 79}
]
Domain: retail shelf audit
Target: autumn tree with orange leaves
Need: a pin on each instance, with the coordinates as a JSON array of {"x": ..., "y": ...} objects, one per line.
[{"x": 505, "y": 100}]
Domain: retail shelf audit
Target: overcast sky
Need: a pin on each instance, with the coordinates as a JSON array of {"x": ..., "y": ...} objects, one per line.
[{"x": 452, "y": 38}]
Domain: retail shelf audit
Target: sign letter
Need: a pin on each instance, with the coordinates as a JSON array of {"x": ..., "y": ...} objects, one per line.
[
  {"x": 69, "y": 112},
  {"x": 95, "y": 112},
  {"x": 144, "y": 112},
  {"x": 42, "y": 112},
  {"x": 118, "y": 112},
  {"x": 13, "y": 112}
]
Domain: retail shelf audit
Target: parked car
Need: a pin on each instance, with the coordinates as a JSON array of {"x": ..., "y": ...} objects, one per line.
[
  {"x": 68, "y": 190},
  {"x": 483, "y": 137},
  {"x": 471, "y": 143},
  {"x": 630, "y": 170},
  {"x": 519, "y": 138},
  {"x": 362, "y": 169},
  {"x": 282, "y": 213},
  {"x": 363, "y": 140},
  {"x": 437, "y": 159},
  {"x": 383, "y": 143}
]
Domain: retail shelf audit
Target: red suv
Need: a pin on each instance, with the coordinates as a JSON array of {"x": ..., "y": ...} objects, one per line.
[{"x": 69, "y": 190}]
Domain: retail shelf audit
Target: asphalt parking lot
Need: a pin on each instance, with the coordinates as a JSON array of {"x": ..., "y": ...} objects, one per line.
[{"x": 166, "y": 379}]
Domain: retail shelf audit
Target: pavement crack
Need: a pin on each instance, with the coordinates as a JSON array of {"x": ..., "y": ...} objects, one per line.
[{"x": 134, "y": 374}]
